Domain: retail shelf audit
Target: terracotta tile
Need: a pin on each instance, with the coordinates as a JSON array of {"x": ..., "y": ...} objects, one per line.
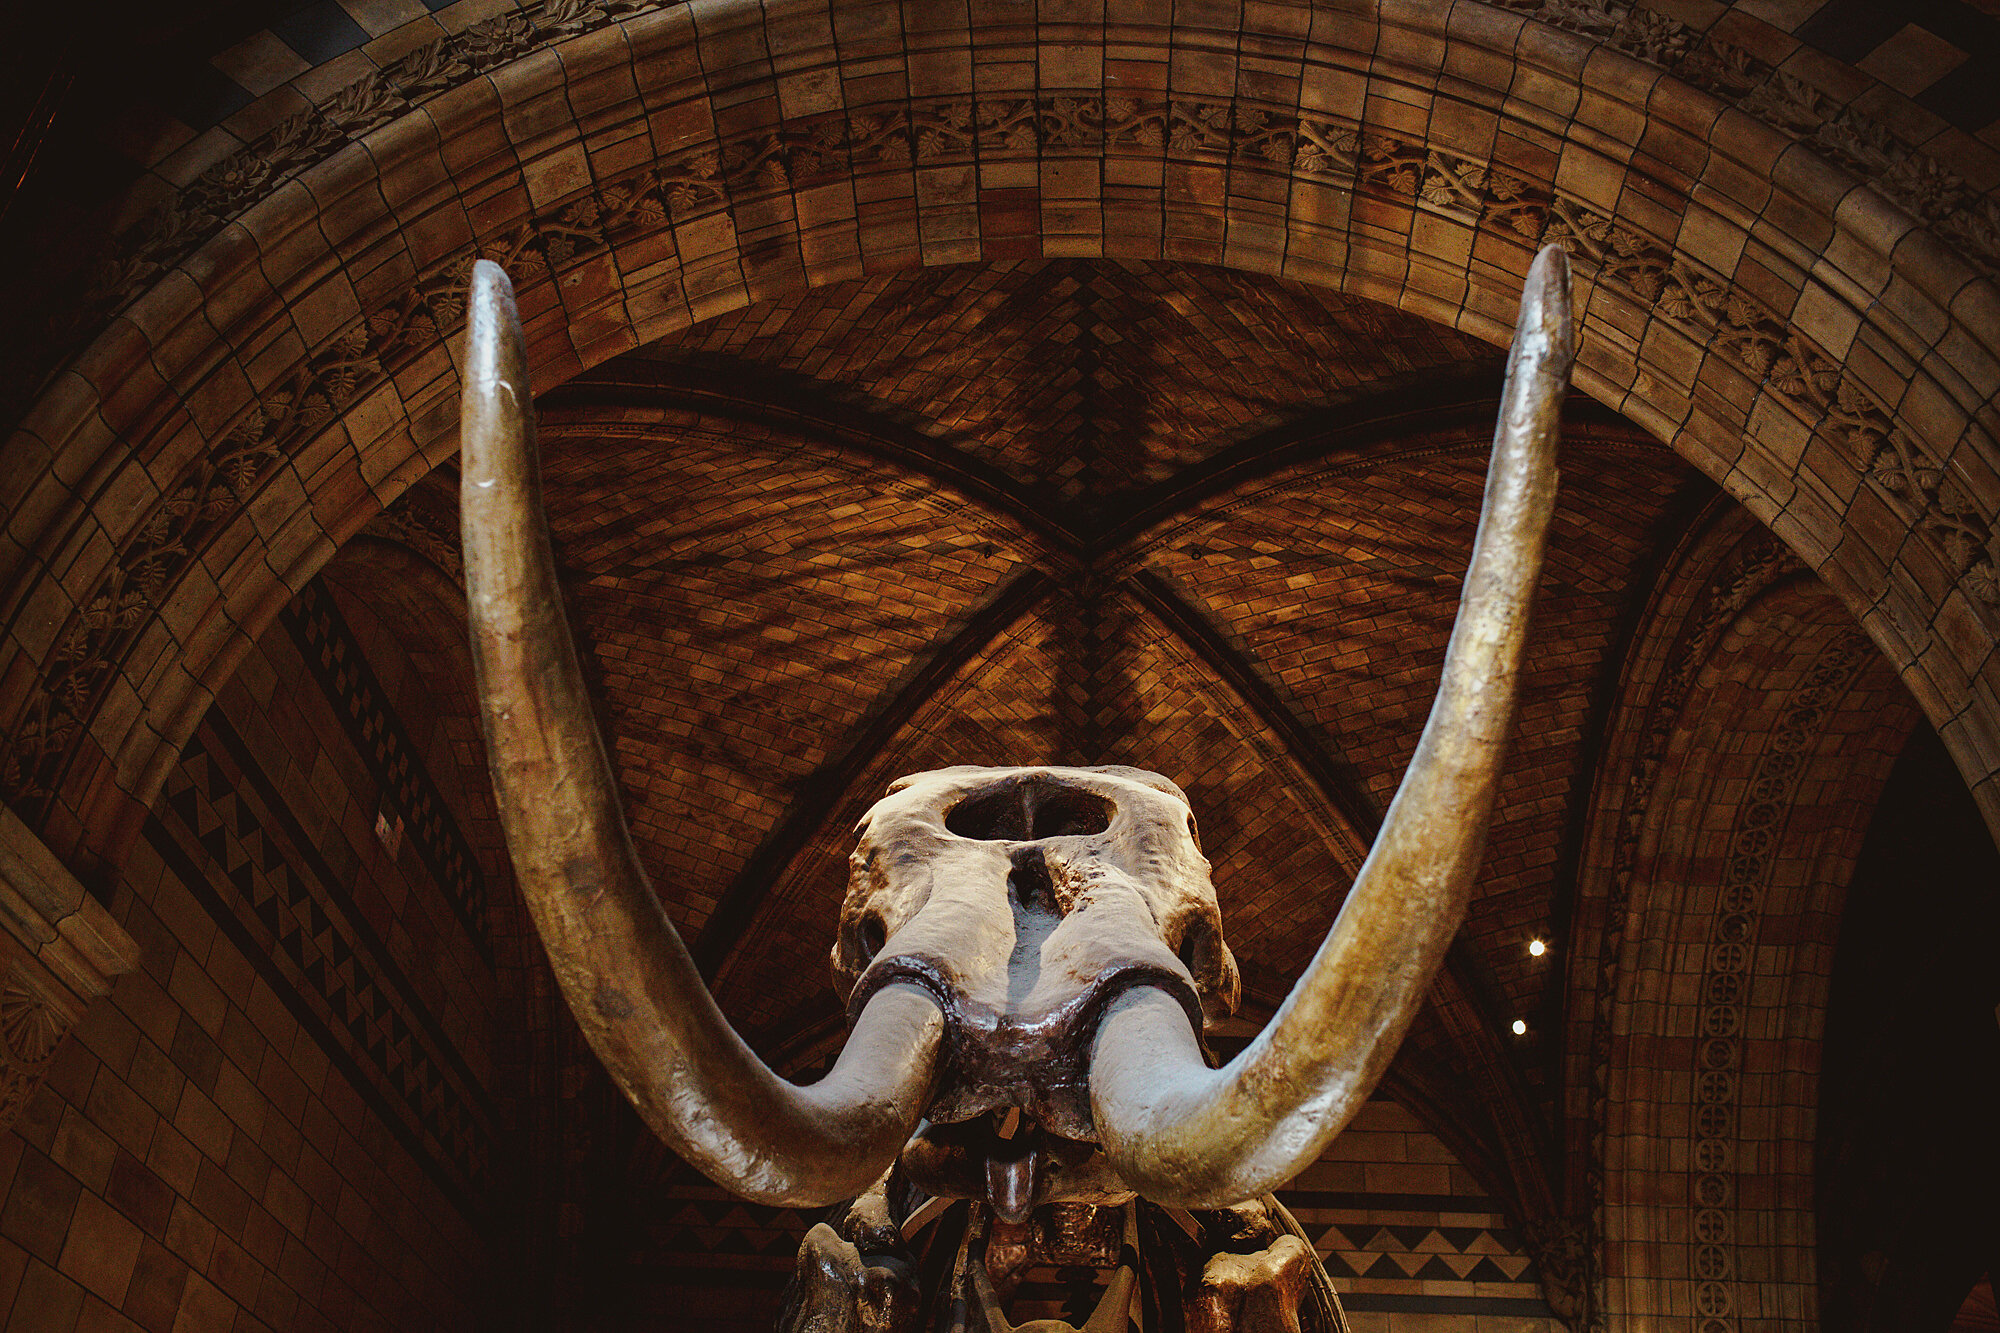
[{"x": 100, "y": 1250}]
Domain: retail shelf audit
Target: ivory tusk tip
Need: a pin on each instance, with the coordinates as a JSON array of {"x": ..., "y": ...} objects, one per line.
[
  {"x": 494, "y": 379},
  {"x": 486, "y": 273},
  {"x": 1545, "y": 303},
  {"x": 491, "y": 323}
]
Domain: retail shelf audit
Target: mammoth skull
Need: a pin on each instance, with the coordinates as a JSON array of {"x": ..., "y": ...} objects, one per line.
[{"x": 1030, "y": 952}]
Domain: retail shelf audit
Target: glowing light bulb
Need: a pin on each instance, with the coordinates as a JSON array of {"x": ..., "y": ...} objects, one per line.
[
  {"x": 1520, "y": 1027},
  {"x": 1536, "y": 948}
]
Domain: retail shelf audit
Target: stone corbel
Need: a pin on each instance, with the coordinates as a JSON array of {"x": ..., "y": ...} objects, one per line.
[
  {"x": 1565, "y": 1253},
  {"x": 59, "y": 952}
]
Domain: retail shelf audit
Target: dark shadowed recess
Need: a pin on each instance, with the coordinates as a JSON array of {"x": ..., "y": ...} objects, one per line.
[{"x": 1908, "y": 1162}]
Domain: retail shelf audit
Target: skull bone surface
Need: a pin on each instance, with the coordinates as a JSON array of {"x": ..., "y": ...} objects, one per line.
[{"x": 1025, "y": 900}]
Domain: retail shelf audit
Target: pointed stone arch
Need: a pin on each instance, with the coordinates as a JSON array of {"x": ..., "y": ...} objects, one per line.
[{"x": 1738, "y": 843}]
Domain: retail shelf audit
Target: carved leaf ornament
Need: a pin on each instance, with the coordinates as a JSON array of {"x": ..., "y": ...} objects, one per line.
[{"x": 30, "y": 1028}]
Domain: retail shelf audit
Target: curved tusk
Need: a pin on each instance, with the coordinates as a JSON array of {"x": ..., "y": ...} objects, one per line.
[
  {"x": 628, "y": 977},
  {"x": 1181, "y": 1133}
]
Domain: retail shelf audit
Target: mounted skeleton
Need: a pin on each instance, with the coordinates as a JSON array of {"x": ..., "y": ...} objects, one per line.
[{"x": 1030, "y": 953}]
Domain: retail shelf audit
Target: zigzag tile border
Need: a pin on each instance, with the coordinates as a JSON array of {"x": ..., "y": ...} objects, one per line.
[
  {"x": 358, "y": 700},
  {"x": 226, "y": 832}
]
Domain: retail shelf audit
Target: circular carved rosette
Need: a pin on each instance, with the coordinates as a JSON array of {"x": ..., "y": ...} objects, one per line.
[
  {"x": 29, "y": 1025},
  {"x": 1725, "y": 987}
]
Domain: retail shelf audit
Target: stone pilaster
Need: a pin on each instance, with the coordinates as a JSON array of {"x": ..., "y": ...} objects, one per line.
[{"x": 60, "y": 951}]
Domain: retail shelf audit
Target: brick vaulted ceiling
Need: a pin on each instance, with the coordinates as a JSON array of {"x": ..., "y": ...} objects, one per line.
[{"x": 1069, "y": 511}]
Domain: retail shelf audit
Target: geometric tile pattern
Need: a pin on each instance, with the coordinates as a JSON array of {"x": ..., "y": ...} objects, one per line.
[
  {"x": 1397, "y": 1250},
  {"x": 1406, "y": 1232},
  {"x": 225, "y": 830},
  {"x": 718, "y": 1233},
  {"x": 1419, "y": 1253},
  {"x": 358, "y": 700}
]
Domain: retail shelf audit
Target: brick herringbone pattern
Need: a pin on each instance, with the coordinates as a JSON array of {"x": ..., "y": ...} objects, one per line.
[
  {"x": 742, "y": 612},
  {"x": 1081, "y": 380}
]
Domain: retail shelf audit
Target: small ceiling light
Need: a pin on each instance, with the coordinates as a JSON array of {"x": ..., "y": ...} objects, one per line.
[
  {"x": 1520, "y": 1027},
  {"x": 1536, "y": 948}
]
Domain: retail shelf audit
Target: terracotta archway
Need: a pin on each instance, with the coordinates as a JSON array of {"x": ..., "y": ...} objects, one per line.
[
  {"x": 1779, "y": 324},
  {"x": 1775, "y": 321},
  {"x": 1727, "y": 886}
]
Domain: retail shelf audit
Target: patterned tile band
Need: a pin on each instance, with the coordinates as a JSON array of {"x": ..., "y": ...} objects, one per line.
[
  {"x": 1718, "y": 1170},
  {"x": 1863, "y": 144},
  {"x": 336, "y": 660},
  {"x": 225, "y": 831}
]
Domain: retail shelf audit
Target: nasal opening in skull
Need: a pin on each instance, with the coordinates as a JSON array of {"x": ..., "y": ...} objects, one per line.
[
  {"x": 1196, "y": 948},
  {"x": 1027, "y": 809},
  {"x": 1030, "y": 883}
]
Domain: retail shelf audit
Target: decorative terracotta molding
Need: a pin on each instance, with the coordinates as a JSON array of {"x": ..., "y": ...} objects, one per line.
[
  {"x": 1754, "y": 566},
  {"x": 1726, "y": 978},
  {"x": 61, "y": 951},
  {"x": 718, "y": 176},
  {"x": 205, "y": 205},
  {"x": 425, "y": 525},
  {"x": 207, "y": 494},
  {"x": 1567, "y": 1256},
  {"x": 1898, "y": 171}
]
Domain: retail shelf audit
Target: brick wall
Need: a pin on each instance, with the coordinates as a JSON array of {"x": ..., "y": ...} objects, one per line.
[{"x": 287, "y": 1117}]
